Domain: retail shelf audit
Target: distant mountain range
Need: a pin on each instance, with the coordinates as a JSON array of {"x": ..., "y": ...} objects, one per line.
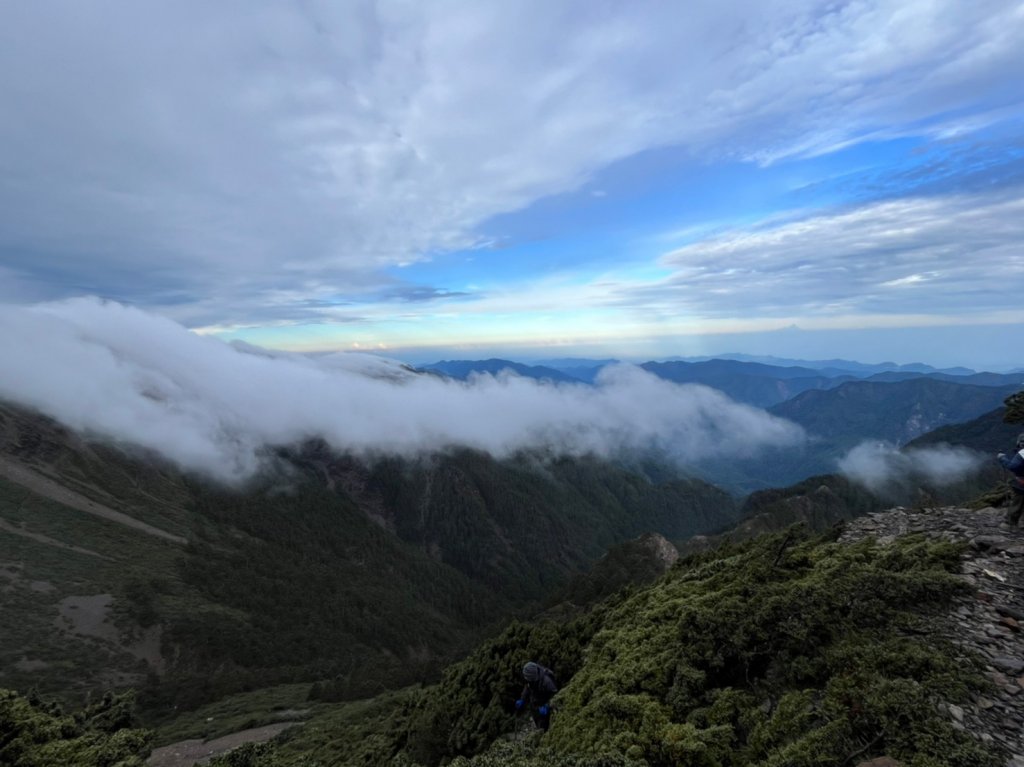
[
  {"x": 837, "y": 366},
  {"x": 846, "y": 366},
  {"x": 753, "y": 381},
  {"x": 463, "y": 369}
]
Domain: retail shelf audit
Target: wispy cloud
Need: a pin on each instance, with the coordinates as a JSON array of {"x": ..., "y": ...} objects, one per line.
[
  {"x": 198, "y": 156},
  {"x": 958, "y": 256},
  {"x": 890, "y": 472}
]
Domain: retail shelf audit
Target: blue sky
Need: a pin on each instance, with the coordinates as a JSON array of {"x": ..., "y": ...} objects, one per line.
[{"x": 528, "y": 179}]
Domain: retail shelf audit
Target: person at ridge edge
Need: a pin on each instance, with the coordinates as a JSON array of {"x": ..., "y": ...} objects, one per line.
[
  {"x": 537, "y": 694},
  {"x": 1015, "y": 465}
]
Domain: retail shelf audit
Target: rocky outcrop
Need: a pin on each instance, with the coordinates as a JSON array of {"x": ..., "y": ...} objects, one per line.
[{"x": 986, "y": 621}]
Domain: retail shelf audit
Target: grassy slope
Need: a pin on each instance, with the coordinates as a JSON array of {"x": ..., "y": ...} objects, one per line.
[{"x": 41, "y": 575}]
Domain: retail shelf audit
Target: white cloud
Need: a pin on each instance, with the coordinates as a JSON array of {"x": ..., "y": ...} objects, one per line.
[
  {"x": 926, "y": 255},
  {"x": 121, "y": 374},
  {"x": 887, "y": 470},
  {"x": 192, "y": 155}
]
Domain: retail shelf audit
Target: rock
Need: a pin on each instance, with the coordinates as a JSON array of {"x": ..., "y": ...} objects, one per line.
[
  {"x": 989, "y": 543},
  {"x": 983, "y": 596},
  {"x": 1009, "y": 612},
  {"x": 1010, "y": 623},
  {"x": 1010, "y": 665},
  {"x": 957, "y": 712},
  {"x": 881, "y": 761}
]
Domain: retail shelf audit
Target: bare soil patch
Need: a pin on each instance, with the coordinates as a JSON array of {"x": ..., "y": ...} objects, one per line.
[{"x": 185, "y": 753}]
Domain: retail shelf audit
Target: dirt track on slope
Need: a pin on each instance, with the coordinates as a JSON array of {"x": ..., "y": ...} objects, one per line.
[
  {"x": 38, "y": 538},
  {"x": 53, "y": 490}
]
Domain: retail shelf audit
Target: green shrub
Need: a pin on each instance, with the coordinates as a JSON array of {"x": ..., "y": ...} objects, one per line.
[{"x": 34, "y": 733}]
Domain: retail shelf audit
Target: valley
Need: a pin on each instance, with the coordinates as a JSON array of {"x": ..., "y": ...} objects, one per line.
[{"x": 331, "y": 577}]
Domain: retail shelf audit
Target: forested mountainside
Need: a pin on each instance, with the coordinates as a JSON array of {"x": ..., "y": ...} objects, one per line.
[
  {"x": 838, "y": 419},
  {"x": 120, "y": 571},
  {"x": 988, "y": 433},
  {"x": 522, "y": 525},
  {"x": 896, "y": 412},
  {"x": 822, "y": 501},
  {"x": 753, "y": 383}
]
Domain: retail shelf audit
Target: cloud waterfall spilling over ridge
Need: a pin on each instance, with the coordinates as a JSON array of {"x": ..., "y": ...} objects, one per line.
[
  {"x": 882, "y": 467},
  {"x": 123, "y": 374}
]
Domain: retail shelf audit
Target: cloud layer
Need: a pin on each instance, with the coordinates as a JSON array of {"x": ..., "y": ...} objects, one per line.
[
  {"x": 237, "y": 162},
  {"x": 121, "y": 374}
]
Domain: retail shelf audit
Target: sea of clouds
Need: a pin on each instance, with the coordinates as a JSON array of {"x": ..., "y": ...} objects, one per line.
[{"x": 118, "y": 373}]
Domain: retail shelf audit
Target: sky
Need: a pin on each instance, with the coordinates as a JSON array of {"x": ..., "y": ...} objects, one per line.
[{"x": 528, "y": 179}]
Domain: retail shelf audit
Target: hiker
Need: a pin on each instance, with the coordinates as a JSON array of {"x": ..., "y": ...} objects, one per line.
[
  {"x": 537, "y": 694},
  {"x": 1015, "y": 465}
]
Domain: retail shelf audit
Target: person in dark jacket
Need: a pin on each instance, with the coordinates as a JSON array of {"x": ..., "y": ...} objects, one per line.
[
  {"x": 1015, "y": 465},
  {"x": 537, "y": 694}
]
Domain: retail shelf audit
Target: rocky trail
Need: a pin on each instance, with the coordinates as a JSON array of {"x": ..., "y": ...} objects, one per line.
[{"x": 986, "y": 621}]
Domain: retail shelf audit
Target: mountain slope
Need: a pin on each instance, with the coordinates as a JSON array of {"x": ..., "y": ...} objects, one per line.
[
  {"x": 750, "y": 382},
  {"x": 787, "y": 650},
  {"x": 523, "y": 525},
  {"x": 247, "y": 585},
  {"x": 839, "y": 419},
  {"x": 896, "y": 411},
  {"x": 116, "y": 569},
  {"x": 988, "y": 433}
]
